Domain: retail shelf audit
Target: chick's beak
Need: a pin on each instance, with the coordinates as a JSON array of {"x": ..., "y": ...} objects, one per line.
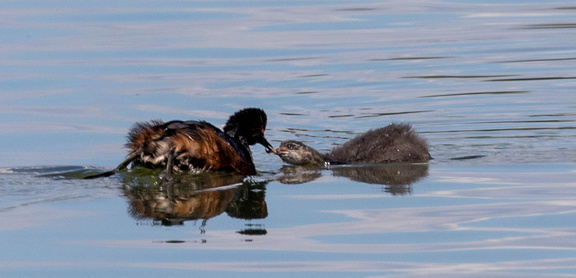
[{"x": 281, "y": 151}]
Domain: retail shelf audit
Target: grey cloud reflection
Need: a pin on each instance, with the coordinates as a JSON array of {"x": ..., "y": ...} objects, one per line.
[
  {"x": 370, "y": 268},
  {"x": 397, "y": 268},
  {"x": 412, "y": 220}
]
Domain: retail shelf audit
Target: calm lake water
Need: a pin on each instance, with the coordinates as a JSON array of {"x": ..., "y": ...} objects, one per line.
[{"x": 490, "y": 84}]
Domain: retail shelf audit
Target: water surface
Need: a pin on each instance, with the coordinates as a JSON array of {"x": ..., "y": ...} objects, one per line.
[{"x": 489, "y": 84}]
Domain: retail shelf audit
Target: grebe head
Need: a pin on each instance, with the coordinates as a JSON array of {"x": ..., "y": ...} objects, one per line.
[
  {"x": 248, "y": 126},
  {"x": 297, "y": 153}
]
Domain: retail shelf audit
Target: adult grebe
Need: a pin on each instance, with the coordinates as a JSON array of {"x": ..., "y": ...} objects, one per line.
[{"x": 197, "y": 145}]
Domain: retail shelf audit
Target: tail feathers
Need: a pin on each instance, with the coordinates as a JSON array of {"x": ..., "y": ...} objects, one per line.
[{"x": 143, "y": 133}]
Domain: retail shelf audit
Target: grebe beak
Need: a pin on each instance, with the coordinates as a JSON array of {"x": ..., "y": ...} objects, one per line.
[{"x": 267, "y": 146}]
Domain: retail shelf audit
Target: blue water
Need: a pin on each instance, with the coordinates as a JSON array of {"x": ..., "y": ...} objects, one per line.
[{"x": 490, "y": 84}]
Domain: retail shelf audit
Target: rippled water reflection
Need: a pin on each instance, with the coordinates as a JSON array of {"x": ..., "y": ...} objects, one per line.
[{"x": 490, "y": 85}]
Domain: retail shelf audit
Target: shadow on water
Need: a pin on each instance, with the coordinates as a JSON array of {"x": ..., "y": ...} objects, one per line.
[{"x": 56, "y": 172}]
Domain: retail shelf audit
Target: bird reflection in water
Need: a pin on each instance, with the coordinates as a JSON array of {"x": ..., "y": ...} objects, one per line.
[
  {"x": 195, "y": 197},
  {"x": 397, "y": 179},
  {"x": 393, "y": 155}
]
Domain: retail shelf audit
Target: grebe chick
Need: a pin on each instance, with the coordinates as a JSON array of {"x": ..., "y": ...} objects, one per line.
[
  {"x": 393, "y": 143},
  {"x": 197, "y": 145}
]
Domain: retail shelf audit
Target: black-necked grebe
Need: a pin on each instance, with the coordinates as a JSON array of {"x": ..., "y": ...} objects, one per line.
[
  {"x": 393, "y": 143},
  {"x": 197, "y": 145}
]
